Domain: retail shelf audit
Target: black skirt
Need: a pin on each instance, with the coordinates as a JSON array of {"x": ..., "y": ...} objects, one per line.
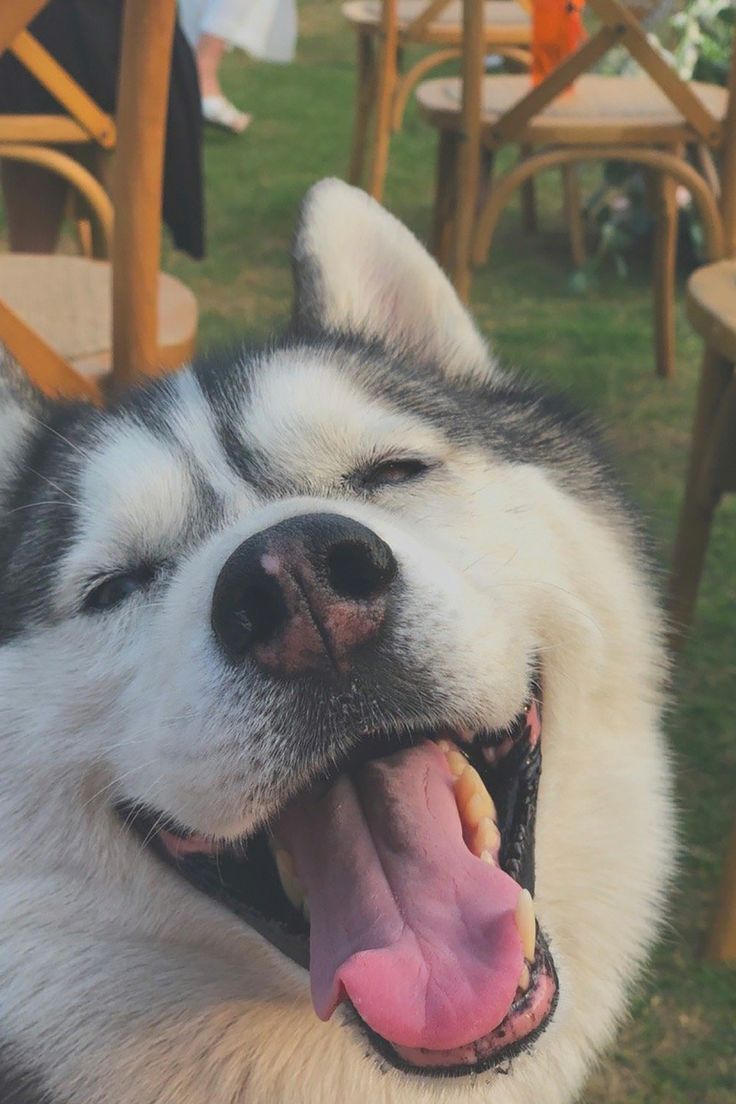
[{"x": 85, "y": 38}]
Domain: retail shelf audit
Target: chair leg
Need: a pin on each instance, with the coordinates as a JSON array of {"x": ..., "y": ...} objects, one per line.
[
  {"x": 386, "y": 81},
  {"x": 699, "y": 503},
  {"x": 574, "y": 214},
  {"x": 722, "y": 942},
  {"x": 665, "y": 261},
  {"x": 529, "y": 219},
  {"x": 364, "y": 104},
  {"x": 445, "y": 197}
]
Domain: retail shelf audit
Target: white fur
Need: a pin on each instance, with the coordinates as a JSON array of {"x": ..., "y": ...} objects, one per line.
[
  {"x": 122, "y": 985},
  {"x": 347, "y": 238}
]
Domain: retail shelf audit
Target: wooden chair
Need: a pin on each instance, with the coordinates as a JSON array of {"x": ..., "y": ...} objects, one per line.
[
  {"x": 35, "y": 139},
  {"x": 384, "y": 29},
  {"x": 651, "y": 120},
  {"x": 711, "y": 307},
  {"x": 82, "y": 327}
]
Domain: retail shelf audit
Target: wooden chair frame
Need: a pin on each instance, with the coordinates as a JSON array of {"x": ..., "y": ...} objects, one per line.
[
  {"x": 148, "y": 30},
  {"x": 711, "y": 474},
  {"x": 384, "y": 91},
  {"x": 21, "y": 136},
  {"x": 460, "y": 249}
]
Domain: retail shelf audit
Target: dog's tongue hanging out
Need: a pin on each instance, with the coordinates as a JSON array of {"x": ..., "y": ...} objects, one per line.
[{"x": 406, "y": 922}]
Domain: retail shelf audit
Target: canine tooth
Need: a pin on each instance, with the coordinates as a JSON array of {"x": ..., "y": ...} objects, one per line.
[
  {"x": 285, "y": 864},
  {"x": 457, "y": 762},
  {"x": 525, "y": 978},
  {"x": 526, "y": 923},
  {"x": 468, "y": 786},
  {"x": 444, "y": 745},
  {"x": 487, "y": 857},
  {"x": 486, "y": 837},
  {"x": 290, "y": 883},
  {"x": 478, "y": 808}
]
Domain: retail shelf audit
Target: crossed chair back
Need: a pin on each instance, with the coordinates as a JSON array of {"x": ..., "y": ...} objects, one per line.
[
  {"x": 618, "y": 27},
  {"x": 36, "y": 138},
  {"x": 138, "y": 134}
]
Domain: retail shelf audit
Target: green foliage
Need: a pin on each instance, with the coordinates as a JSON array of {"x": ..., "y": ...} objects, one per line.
[{"x": 704, "y": 30}]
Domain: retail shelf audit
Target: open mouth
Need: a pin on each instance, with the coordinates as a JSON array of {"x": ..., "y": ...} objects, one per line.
[{"x": 404, "y": 881}]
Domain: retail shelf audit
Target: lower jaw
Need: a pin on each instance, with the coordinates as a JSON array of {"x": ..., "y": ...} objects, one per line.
[{"x": 524, "y": 1023}]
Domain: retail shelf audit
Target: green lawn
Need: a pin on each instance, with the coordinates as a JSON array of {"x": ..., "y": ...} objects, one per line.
[{"x": 680, "y": 1044}]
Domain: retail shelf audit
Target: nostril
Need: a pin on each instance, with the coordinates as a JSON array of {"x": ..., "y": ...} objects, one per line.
[
  {"x": 262, "y": 606},
  {"x": 251, "y": 614},
  {"x": 359, "y": 570}
]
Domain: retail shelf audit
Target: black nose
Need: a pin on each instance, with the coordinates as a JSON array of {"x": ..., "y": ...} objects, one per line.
[{"x": 304, "y": 595}]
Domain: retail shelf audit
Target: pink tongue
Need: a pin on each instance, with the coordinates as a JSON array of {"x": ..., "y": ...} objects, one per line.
[{"x": 405, "y": 922}]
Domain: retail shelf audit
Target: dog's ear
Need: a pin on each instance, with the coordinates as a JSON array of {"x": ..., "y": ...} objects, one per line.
[
  {"x": 20, "y": 408},
  {"x": 358, "y": 270}
]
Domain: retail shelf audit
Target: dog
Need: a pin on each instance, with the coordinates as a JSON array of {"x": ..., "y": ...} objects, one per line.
[{"x": 331, "y": 682}]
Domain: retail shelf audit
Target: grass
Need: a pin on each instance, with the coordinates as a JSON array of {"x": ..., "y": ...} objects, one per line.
[{"x": 680, "y": 1043}]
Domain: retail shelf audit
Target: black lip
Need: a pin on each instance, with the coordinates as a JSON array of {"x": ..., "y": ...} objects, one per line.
[{"x": 244, "y": 879}]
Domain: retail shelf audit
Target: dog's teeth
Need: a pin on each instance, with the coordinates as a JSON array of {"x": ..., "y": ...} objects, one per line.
[
  {"x": 473, "y": 799},
  {"x": 457, "y": 762},
  {"x": 445, "y": 745},
  {"x": 290, "y": 883},
  {"x": 527, "y": 924},
  {"x": 485, "y": 837},
  {"x": 525, "y": 978},
  {"x": 487, "y": 857}
]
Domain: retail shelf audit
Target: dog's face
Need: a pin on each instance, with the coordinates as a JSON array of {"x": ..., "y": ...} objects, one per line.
[{"x": 347, "y": 638}]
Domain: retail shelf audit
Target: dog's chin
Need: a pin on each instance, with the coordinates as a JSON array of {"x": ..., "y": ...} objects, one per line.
[{"x": 404, "y": 881}]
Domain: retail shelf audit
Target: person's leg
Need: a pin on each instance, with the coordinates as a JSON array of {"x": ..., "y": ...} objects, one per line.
[
  {"x": 210, "y": 51},
  {"x": 35, "y": 202},
  {"x": 216, "y": 108}
]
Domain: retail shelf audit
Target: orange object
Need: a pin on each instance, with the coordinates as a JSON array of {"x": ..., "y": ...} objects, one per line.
[{"x": 557, "y": 31}]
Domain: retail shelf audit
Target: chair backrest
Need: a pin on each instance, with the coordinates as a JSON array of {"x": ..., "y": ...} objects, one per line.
[
  {"x": 139, "y": 134},
  {"x": 619, "y": 27},
  {"x": 84, "y": 121}
]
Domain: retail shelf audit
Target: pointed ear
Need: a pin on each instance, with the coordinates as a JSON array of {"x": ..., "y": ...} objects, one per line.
[
  {"x": 357, "y": 269},
  {"x": 20, "y": 407}
]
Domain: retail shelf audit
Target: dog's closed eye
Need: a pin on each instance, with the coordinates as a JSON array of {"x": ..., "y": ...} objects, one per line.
[
  {"x": 392, "y": 471},
  {"x": 109, "y": 591}
]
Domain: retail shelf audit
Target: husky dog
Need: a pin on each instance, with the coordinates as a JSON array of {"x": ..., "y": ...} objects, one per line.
[{"x": 328, "y": 666}]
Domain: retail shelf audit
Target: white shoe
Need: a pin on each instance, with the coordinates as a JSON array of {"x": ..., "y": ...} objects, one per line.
[{"x": 218, "y": 111}]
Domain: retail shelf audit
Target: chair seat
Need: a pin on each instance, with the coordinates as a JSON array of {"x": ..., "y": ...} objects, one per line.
[
  {"x": 506, "y": 23},
  {"x": 598, "y": 110},
  {"x": 68, "y": 302},
  {"x": 711, "y": 306}
]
